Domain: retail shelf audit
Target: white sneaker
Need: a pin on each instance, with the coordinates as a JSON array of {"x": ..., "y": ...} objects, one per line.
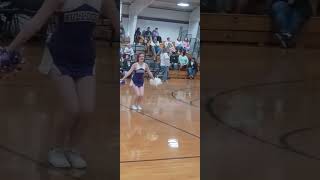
[
  {"x": 76, "y": 160},
  {"x": 58, "y": 159},
  {"x": 134, "y": 107},
  {"x": 139, "y": 107}
]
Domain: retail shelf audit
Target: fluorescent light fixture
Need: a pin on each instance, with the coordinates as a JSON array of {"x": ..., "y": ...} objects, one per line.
[{"x": 183, "y": 4}]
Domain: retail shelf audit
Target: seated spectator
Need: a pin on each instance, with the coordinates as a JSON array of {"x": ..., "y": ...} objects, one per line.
[
  {"x": 178, "y": 44},
  {"x": 156, "y": 45},
  {"x": 186, "y": 44},
  {"x": 183, "y": 60},
  {"x": 147, "y": 34},
  {"x": 192, "y": 68},
  {"x": 128, "y": 51},
  {"x": 155, "y": 34},
  {"x": 159, "y": 39},
  {"x": 168, "y": 44},
  {"x": 126, "y": 65},
  {"x": 174, "y": 60},
  {"x": 288, "y": 17}
]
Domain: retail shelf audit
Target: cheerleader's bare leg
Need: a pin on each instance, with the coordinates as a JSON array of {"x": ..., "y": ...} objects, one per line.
[
  {"x": 86, "y": 91},
  {"x": 67, "y": 90},
  {"x": 140, "y": 97},
  {"x": 136, "y": 98}
]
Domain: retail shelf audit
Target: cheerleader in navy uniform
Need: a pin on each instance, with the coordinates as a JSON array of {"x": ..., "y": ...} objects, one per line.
[
  {"x": 137, "y": 82},
  {"x": 70, "y": 61}
]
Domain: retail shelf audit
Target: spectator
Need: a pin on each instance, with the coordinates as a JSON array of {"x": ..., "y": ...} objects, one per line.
[
  {"x": 159, "y": 39},
  {"x": 147, "y": 34},
  {"x": 288, "y": 17},
  {"x": 137, "y": 36},
  {"x": 126, "y": 65},
  {"x": 192, "y": 68},
  {"x": 174, "y": 60},
  {"x": 155, "y": 47},
  {"x": 128, "y": 51},
  {"x": 164, "y": 63},
  {"x": 155, "y": 34},
  {"x": 183, "y": 60},
  {"x": 178, "y": 44},
  {"x": 186, "y": 44},
  {"x": 168, "y": 44}
]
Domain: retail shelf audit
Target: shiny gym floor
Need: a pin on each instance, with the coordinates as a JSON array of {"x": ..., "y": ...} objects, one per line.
[
  {"x": 262, "y": 113},
  {"x": 160, "y": 142},
  {"x": 163, "y": 140}
]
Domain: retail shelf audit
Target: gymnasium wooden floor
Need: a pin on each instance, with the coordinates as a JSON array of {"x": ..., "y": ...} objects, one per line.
[
  {"x": 262, "y": 115},
  {"x": 163, "y": 140}
]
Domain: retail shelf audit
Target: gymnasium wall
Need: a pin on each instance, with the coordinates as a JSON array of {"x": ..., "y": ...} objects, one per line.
[
  {"x": 166, "y": 29},
  {"x": 168, "y": 21}
]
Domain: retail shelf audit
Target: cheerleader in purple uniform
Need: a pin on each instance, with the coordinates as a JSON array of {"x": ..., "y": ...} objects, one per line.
[
  {"x": 137, "y": 82},
  {"x": 70, "y": 62}
]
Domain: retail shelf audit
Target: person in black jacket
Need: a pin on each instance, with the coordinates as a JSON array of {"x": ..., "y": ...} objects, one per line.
[
  {"x": 192, "y": 68},
  {"x": 137, "y": 35},
  {"x": 288, "y": 17},
  {"x": 174, "y": 60}
]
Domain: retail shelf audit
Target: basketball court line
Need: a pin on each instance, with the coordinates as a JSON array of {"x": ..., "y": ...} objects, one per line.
[
  {"x": 162, "y": 122},
  {"x": 283, "y": 139},
  {"x": 161, "y": 159}
]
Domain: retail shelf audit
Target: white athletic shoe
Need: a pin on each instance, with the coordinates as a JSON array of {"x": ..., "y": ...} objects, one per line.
[
  {"x": 76, "y": 160},
  {"x": 139, "y": 107},
  {"x": 134, "y": 107},
  {"x": 58, "y": 159}
]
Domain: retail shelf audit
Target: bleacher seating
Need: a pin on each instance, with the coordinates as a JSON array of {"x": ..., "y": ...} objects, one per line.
[
  {"x": 251, "y": 29},
  {"x": 138, "y": 48},
  {"x": 154, "y": 65}
]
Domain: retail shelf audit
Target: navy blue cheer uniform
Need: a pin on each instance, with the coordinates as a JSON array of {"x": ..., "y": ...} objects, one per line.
[
  {"x": 72, "y": 45},
  {"x": 138, "y": 76}
]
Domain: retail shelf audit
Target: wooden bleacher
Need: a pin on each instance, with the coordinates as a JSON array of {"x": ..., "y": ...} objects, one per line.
[
  {"x": 251, "y": 29},
  {"x": 175, "y": 74}
]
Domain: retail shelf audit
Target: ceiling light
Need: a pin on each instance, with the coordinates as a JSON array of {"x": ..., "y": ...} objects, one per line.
[
  {"x": 183, "y": 4},
  {"x": 173, "y": 143}
]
